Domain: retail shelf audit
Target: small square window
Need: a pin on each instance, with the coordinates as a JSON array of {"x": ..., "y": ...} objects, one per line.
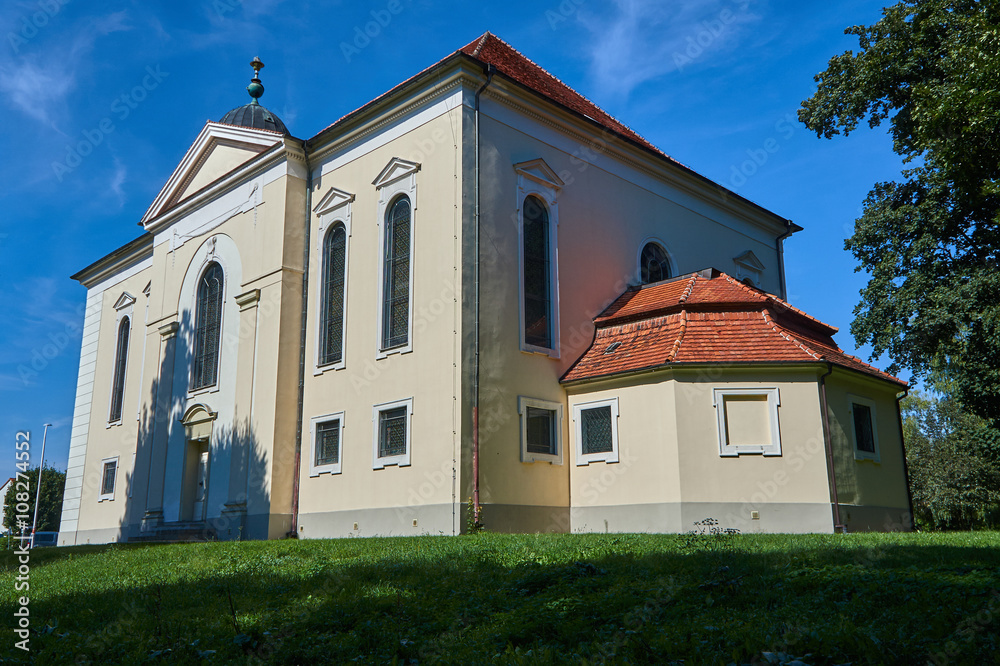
[
  {"x": 864, "y": 430},
  {"x": 747, "y": 421},
  {"x": 109, "y": 468},
  {"x": 541, "y": 429},
  {"x": 596, "y": 431},
  {"x": 328, "y": 437},
  {"x": 392, "y": 434}
]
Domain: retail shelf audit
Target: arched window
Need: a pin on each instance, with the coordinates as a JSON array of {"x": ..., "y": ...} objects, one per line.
[
  {"x": 396, "y": 276},
  {"x": 537, "y": 274},
  {"x": 121, "y": 361},
  {"x": 207, "y": 328},
  {"x": 331, "y": 349},
  {"x": 653, "y": 264}
]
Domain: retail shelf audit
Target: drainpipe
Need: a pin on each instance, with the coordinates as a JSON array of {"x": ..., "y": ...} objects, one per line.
[
  {"x": 906, "y": 467},
  {"x": 778, "y": 246},
  {"x": 828, "y": 441},
  {"x": 489, "y": 70},
  {"x": 294, "y": 533}
]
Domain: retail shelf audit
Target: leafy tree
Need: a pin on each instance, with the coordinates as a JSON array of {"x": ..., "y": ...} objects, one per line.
[
  {"x": 931, "y": 70},
  {"x": 954, "y": 463},
  {"x": 53, "y": 483}
]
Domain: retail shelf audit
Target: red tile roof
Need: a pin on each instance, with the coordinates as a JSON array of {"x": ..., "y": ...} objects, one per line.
[{"x": 707, "y": 317}]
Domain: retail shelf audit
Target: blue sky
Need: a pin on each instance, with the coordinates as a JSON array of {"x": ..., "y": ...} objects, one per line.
[{"x": 101, "y": 100}]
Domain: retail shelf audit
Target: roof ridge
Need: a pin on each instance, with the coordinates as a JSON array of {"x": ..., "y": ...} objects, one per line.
[
  {"x": 680, "y": 337},
  {"x": 687, "y": 292},
  {"x": 570, "y": 88},
  {"x": 774, "y": 326}
]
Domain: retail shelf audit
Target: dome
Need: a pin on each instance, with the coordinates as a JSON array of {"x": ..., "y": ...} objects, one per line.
[{"x": 253, "y": 114}]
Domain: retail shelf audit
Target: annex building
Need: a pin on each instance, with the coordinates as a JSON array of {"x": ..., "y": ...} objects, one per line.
[{"x": 476, "y": 293}]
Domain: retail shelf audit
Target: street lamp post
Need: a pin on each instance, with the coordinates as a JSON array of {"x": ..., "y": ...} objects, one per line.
[{"x": 38, "y": 491}]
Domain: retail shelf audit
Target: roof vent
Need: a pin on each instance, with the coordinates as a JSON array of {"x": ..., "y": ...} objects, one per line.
[{"x": 612, "y": 347}]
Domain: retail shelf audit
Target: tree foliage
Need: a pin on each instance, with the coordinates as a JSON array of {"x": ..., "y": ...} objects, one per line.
[
  {"x": 931, "y": 70},
  {"x": 954, "y": 463},
  {"x": 53, "y": 483}
]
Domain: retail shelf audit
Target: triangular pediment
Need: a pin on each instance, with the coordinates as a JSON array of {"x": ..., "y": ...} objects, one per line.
[
  {"x": 218, "y": 150},
  {"x": 332, "y": 200},
  {"x": 540, "y": 172},
  {"x": 749, "y": 260},
  {"x": 125, "y": 300},
  {"x": 396, "y": 168}
]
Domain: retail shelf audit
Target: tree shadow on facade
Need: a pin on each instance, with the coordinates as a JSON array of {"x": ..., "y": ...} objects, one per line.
[{"x": 199, "y": 471}]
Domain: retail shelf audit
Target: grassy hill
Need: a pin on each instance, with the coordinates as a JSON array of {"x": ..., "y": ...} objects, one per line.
[{"x": 872, "y": 598}]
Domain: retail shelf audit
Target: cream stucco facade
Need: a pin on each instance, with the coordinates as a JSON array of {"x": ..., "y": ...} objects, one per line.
[{"x": 387, "y": 439}]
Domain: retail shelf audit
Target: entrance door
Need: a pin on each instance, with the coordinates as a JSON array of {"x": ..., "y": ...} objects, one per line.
[{"x": 201, "y": 489}]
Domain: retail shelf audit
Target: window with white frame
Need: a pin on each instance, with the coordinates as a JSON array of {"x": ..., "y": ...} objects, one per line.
[
  {"x": 328, "y": 441},
  {"x": 864, "y": 428},
  {"x": 391, "y": 445},
  {"x": 541, "y": 430},
  {"x": 747, "y": 421},
  {"x": 596, "y": 431},
  {"x": 121, "y": 364},
  {"x": 207, "y": 327},
  {"x": 397, "y": 188},
  {"x": 538, "y": 277},
  {"x": 109, "y": 469},
  {"x": 333, "y": 296}
]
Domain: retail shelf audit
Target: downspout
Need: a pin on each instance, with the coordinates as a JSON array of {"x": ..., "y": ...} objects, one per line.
[
  {"x": 294, "y": 532},
  {"x": 906, "y": 467},
  {"x": 489, "y": 70},
  {"x": 779, "y": 248},
  {"x": 828, "y": 441}
]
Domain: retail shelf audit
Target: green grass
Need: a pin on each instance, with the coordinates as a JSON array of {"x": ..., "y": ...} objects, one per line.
[{"x": 875, "y": 598}]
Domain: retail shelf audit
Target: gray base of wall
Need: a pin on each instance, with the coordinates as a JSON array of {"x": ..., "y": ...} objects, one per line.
[
  {"x": 434, "y": 519},
  {"x": 84, "y": 537},
  {"x": 682, "y": 517},
  {"x": 875, "y": 518},
  {"x": 525, "y": 518}
]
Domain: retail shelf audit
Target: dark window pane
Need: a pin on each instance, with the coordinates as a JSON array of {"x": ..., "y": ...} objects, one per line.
[
  {"x": 328, "y": 443},
  {"x": 595, "y": 425},
  {"x": 334, "y": 282},
  {"x": 653, "y": 264},
  {"x": 208, "y": 328},
  {"x": 537, "y": 287},
  {"x": 863, "y": 428},
  {"x": 121, "y": 362},
  {"x": 541, "y": 431},
  {"x": 392, "y": 432},
  {"x": 396, "y": 276},
  {"x": 108, "y": 483}
]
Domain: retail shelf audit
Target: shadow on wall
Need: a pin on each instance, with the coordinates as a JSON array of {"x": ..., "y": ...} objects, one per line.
[{"x": 192, "y": 476}]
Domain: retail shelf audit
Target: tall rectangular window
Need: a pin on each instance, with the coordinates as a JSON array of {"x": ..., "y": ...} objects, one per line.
[
  {"x": 109, "y": 468},
  {"x": 208, "y": 328},
  {"x": 864, "y": 428},
  {"x": 396, "y": 276},
  {"x": 121, "y": 364},
  {"x": 536, "y": 279},
  {"x": 333, "y": 295}
]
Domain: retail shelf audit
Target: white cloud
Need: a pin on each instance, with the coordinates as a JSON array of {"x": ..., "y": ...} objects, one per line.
[
  {"x": 117, "y": 180},
  {"x": 645, "y": 39},
  {"x": 39, "y": 83}
]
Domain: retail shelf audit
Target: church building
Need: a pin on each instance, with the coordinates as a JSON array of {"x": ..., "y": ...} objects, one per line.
[{"x": 476, "y": 300}]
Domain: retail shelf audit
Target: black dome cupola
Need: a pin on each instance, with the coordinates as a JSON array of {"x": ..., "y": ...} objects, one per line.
[{"x": 253, "y": 114}]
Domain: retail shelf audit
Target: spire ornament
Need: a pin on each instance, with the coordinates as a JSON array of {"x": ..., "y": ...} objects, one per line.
[{"x": 256, "y": 88}]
